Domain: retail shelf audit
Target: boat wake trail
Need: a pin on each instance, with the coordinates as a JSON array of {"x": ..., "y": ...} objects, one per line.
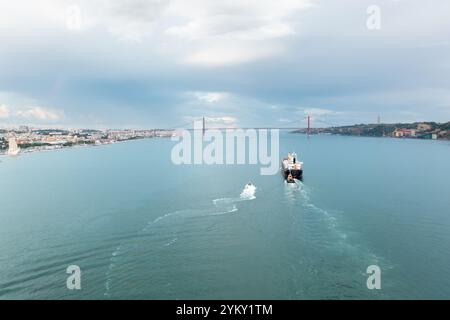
[
  {"x": 229, "y": 204},
  {"x": 337, "y": 237},
  {"x": 173, "y": 222},
  {"x": 329, "y": 219}
]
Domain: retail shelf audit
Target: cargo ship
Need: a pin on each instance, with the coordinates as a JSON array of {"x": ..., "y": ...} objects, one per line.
[{"x": 291, "y": 168}]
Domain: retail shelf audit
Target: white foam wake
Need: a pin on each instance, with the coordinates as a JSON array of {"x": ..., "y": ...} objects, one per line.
[
  {"x": 249, "y": 192},
  {"x": 223, "y": 206}
]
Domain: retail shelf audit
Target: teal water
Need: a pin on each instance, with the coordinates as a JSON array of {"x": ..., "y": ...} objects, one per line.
[{"x": 140, "y": 227}]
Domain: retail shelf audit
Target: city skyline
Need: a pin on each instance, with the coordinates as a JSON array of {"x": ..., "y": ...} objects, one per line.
[{"x": 153, "y": 64}]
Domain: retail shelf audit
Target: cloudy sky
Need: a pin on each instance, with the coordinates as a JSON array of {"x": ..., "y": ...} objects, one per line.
[{"x": 161, "y": 63}]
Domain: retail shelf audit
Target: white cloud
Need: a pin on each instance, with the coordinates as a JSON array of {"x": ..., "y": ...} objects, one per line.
[
  {"x": 4, "y": 111},
  {"x": 230, "y": 54},
  {"x": 291, "y": 47},
  {"x": 241, "y": 25},
  {"x": 221, "y": 122},
  {"x": 225, "y": 121},
  {"x": 199, "y": 32},
  {"x": 224, "y": 33},
  {"x": 318, "y": 112},
  {"x": 203, "y": 32},
  {"x": 40, "y": 113},
  {"x": 211, "y": 97}
]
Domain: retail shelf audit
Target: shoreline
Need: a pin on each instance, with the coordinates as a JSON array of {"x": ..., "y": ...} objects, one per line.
[
  {"x": 58, "y": 148},
  {"x": 415, "y": 130},
  {"x": 367, "y": 136}
]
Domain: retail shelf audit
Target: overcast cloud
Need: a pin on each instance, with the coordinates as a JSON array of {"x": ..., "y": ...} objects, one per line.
[{"x": 157, "y": 63}]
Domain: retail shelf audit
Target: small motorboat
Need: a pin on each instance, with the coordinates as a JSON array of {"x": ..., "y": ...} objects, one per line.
[{"x": 249, "y": 191}]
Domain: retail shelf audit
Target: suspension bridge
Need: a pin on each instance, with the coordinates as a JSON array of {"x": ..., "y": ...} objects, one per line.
[{"x": 305, "y": 124}]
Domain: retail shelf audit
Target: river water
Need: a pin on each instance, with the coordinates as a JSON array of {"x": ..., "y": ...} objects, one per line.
[{"x": 140, "y": 227}]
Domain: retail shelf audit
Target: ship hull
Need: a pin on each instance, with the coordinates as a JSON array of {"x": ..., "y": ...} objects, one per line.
[{"x": 290, "y": 166}]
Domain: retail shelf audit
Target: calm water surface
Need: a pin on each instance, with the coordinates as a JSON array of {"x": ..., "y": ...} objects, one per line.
[{"x": 140, "y": 227}]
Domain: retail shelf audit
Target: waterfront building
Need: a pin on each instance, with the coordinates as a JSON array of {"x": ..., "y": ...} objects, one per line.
[{"x": 400, "y": 133}]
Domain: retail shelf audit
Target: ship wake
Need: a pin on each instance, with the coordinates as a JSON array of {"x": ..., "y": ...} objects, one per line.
[{"x": 172, "y": 221}]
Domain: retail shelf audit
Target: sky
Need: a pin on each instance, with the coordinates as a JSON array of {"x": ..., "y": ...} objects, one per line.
[{"x": 164, "y": 63}]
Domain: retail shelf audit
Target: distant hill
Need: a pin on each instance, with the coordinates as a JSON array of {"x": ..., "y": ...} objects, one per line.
[{"x": 419, "y": 130}]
